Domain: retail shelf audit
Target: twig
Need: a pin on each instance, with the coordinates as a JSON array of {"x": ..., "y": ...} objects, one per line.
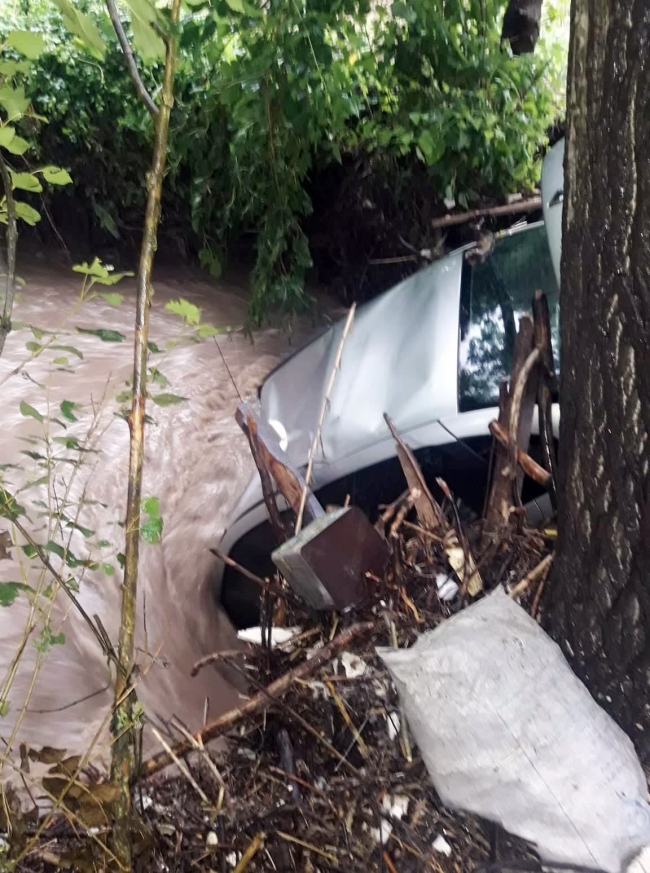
[
  {"x": 404, "y": 730},
  {"x": 536, "y": 573},
  {"x": 530, "y": 467},
  {"x": 530, "y": 205},
  {"x": 181, "y": 766},
  {"x": 132, "y": 67},
  {"x": 309, "y": 846},
  {"x": 253, "y": 848},
  {"x": 321, "y": 418},
  {"x": 387, "y": 861},
  {"x": 123, "y": 756},
  {"x": 260, "y": 701},
  {"x": 265, "y": 584},
  {"x": 363, "y": 748},
  {"x": 12, "y": 241}
]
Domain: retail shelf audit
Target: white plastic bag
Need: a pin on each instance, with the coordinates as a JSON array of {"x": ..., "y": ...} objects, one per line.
[{"x": 507, "y": 731}]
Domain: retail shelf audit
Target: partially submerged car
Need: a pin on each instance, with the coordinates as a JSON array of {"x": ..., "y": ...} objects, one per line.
[{"x": 431, "y": 353}]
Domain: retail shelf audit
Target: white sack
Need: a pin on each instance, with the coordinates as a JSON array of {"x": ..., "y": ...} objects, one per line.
[{"x": 508, "y": 732}]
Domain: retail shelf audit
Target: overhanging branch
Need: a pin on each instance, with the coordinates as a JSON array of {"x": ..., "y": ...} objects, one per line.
[{"x": 129, "y": 57}]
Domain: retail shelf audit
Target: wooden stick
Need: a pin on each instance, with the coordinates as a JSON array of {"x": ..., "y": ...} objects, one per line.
[
  {"x": 428, "y": 509},
  {"x": 542, "y": 323},
  {"x": 530, "y": 205},
  {"x": 536, "y": 573},
  {"x": 530, "y": 467},
  {"x": 321, "y": 418},
  {"x": 260, "y": 701}
]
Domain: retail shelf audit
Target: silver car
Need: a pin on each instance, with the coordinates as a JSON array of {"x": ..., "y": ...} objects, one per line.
[{"x": 431, "y": 353}]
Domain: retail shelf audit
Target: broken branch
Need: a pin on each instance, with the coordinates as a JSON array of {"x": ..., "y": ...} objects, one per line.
[
  {"x": 531, "y": 205},
  {"x": 260, "y": 701},
  {"x": 530, "y": 467}
]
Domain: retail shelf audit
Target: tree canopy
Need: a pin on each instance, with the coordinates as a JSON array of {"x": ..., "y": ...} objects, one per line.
[{"x": 418, "y": 100}]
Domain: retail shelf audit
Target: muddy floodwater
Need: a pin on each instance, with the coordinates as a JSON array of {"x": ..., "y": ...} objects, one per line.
[{"x": 70, "y": 477}]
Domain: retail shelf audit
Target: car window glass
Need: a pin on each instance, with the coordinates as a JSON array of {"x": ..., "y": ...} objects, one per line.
[{"x": 495, "y": 294}]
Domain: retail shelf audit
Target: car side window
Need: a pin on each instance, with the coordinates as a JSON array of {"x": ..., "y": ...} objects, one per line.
[{"x": 495, "y": 294}]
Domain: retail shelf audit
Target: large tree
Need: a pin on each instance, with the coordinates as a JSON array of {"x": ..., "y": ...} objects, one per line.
[{"x": 598, "y": 606}]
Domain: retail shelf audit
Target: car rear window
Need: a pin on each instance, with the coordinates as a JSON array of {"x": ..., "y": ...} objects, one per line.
[{"x": 495, "y": 294}]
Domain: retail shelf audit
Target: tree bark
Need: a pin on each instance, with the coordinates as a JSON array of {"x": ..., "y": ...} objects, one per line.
[
  {"x": 521, "y": 25},
  {"x": 598, "y": 603}
]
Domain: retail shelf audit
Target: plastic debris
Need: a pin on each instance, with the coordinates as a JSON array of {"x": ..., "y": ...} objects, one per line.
[
  {"x": 279, "y": 636},
  {"x": 508, "y": 732},
  {"x": 447, "y": 588},
  {"x": 441, "y": 846},
  {"x": 353, "y": 665}
]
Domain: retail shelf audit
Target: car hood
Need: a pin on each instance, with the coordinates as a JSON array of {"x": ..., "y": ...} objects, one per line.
[{"x": 399, "y": 357}]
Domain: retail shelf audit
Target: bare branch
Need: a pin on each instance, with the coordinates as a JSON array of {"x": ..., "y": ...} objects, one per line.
[
  {"x": 129, "y": 57},
  {"x": 12, "y": 241}
]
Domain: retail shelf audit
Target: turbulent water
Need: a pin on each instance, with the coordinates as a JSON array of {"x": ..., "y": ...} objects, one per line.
[{"x": 196, "y": 464}]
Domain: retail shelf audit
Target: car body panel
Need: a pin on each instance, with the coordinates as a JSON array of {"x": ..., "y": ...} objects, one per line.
[
  {"x": 411, "y": 332},
  {"x": 404, "y": 331},
  {"x": 552, "y": 199}
]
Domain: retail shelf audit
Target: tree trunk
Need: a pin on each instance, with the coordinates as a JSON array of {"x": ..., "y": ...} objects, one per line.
[
  {"x": 521, "y": 25},
  {"x": 598, "y": 605}
]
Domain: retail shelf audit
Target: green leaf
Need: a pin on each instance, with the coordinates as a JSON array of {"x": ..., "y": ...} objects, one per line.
[
  {"x": 109, "y": 569},
  {"x": 152, "y": 526},
  {"x": 29, "y": 411},
  {"x": 100, "y": 272},
  {"x": 10, "y": 68},
  {"x": 18, "y": 146},
  {"x": 206, "y": 330},
  {"x": 26, "y": 182},
  {"x": 168, "y": 399},
  {"x": 6, "y": 135},
  {"x": 158, "y": 377},
  {"x": 148, "y": 44},
  {"x": 56, "y": 175},
  {"x": 187, "y": 311},
  {"x": 112, "y": 297},
  {"x": 106, "y": 336},
  {"x": 151, "y": 506},
  {"x": 9, "y": 506},
  {"x": 14, "y": 101},
  {"x": 63, "y": 361},
  {"x": 236, "y": 6},
  {"x": 28, "y": 214},
  {"x": 9, "y": 591},
  {"x": 153, "y": 348},
  {"x": 29, "y": 44},
  {"x": 33, "y": 347},
  {"x": 47, "y": 639},
  {"x": 69, "y": 442},
  {"x": 68, "y": 409},
  {"x": 70, "y": 349},
  {"x": 120, "y": 559},
  {"x": 82, "y": 27},
  {"x": 5, "y": 706}
]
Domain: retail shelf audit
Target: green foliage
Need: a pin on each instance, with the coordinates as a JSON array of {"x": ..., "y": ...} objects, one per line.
[
  {"x": 421, "y": 93},
  {"x": 18, "y": 52}
]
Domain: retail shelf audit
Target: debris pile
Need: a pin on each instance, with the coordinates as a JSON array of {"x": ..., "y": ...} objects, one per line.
[{"x": 320, "y": 771}]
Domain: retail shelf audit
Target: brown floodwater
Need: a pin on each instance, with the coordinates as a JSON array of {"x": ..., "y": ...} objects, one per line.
[{"x": 197, "y": 463}]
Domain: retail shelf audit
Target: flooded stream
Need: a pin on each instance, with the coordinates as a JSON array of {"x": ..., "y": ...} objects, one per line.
[{"x": 197, "y": 463}]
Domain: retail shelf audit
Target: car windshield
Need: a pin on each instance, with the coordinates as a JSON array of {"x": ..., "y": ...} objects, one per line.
[{"x": 495, "y": 294}]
